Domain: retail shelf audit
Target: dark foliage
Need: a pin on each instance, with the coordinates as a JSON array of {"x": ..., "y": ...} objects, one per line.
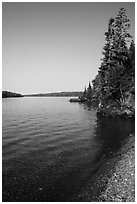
[
  {"x": 115, "y": 81},
  {"x": 58, "y": 94},
  {"x": 7, "y": 94},
  {"x": 87, "y": 95}
]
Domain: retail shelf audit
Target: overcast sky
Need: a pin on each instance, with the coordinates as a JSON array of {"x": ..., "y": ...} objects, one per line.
[{"x": 49, "y": 47}]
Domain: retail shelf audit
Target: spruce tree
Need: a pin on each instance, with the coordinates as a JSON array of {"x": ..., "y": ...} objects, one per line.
[
  {"x": 132, "y": 60},
  {"x": 120, "y": 56},
  {"x": 96, "y": 87},
  {"x": 84, "y": 93},
  {"x": 114, "y": 66},
  {"x": 105, "y": 68},
  {"x": 131, "y": 70},
  {"x": 89, "y": 93}
]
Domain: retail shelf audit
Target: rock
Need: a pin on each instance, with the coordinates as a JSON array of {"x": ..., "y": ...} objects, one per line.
[
  {"x": 74, "y": 100},
  {"x": 110, "y": 111}
]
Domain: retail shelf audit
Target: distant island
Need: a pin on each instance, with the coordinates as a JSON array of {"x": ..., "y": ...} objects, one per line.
[
  {"x": 57, "y": 94},
  {"x": 8, "y": 94}
]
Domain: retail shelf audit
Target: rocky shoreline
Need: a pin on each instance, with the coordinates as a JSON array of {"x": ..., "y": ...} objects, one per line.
[
  {"x": 110, "y": 110},
  {"x": 114, "y": 181},
  {"x": 121, "y": 186},
  {"x": 116, "y": 112}
]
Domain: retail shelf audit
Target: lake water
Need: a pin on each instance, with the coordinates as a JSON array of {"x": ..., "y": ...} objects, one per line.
[{"x": 51, "y": 146}]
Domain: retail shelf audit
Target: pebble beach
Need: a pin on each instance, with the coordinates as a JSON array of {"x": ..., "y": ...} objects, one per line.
[{"x": 114, "y": 181}]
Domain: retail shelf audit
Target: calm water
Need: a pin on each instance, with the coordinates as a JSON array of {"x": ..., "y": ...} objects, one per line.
[{"x": 51, "y": 147}]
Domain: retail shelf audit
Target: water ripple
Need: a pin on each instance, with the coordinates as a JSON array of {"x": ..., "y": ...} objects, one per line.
[{"x": 50, "y": 146}]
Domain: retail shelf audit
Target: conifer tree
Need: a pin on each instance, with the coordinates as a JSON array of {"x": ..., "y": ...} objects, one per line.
[
  {"x": 132, "y": 59},
  {"x": 96, "y": 87},
  {"x": 120, "y": 56},
  {"x": 104, "y": 69},
  {"x": 115, "y": 63},
  {"x": 131, "y": 69},
  {"x": 84, "y": 93},
  {"x": 89, "y": 93}
]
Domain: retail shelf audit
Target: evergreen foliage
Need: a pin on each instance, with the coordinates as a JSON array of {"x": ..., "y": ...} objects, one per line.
[
  {"x": 84, "y": 93},
  {"x": 7, "y": 94},
  {"x": 116, "y": 75},
  {"x": 89, "y": 93}
]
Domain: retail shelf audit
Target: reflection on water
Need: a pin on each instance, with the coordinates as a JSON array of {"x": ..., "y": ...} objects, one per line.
[
  {"x": 51, "y": 147},
  {"x": 111, "y": 132}
]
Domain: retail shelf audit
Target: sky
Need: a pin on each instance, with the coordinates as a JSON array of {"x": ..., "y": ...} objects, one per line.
[{"x": 55, "y": 46}]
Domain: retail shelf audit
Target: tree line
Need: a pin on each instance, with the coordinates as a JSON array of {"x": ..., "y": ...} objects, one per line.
[
  {"x": 8, "y": 94},
  {"x": 115, "y": 80}
]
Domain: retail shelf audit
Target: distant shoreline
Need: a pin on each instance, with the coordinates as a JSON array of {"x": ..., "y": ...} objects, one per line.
[
  {"x": 8, "y": 94},
  {"x": 56, "y": 94}
]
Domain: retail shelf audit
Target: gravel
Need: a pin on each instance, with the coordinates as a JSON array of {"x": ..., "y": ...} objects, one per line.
[
  {"x": 114, "y": 180},
  {"x": 121, "y": 186}
]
